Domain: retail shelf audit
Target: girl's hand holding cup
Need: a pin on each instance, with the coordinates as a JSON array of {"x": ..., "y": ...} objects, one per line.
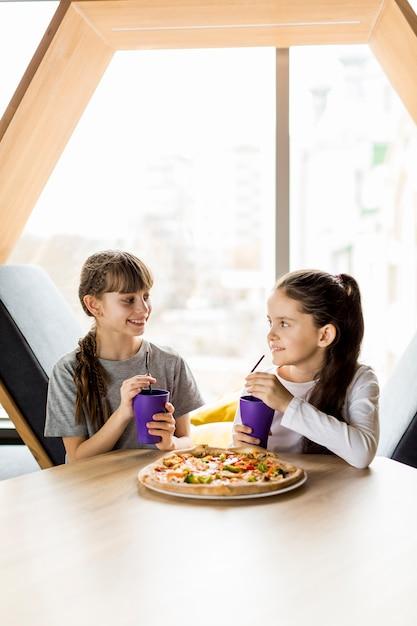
[
  {"x": 268, "y": 388},
  {"x": 130, "y": 388},
  {"x": 163, "y": 426},
  {"x": 242, "y": 436}
]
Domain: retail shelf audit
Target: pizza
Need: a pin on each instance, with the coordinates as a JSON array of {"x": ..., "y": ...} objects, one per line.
[{"x": 218, "y": 472}]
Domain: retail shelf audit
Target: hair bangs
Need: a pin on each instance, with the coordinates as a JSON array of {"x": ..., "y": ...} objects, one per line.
[{"x": 128, "y": 275}]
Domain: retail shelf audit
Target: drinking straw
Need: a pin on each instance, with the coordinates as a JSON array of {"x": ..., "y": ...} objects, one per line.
[
  {"x": 255, "y": 366},
  {"x": 147, "y": 368}
]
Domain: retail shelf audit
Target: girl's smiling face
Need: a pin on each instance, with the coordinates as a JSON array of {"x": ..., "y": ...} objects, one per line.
[
  {"x": 293, "y": 338},
  {"x": 125, "y": 313}
]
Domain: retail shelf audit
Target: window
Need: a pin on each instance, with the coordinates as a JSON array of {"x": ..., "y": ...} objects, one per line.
[
  {"x": 354, "y": 190},
  {"x": 22, "y": 25},
  {"x": 173, "y": 159}
]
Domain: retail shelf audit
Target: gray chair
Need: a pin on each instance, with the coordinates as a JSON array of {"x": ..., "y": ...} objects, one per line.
[
  {"x": 398, "y": 410},
  {"x": 36, "y": 328}
]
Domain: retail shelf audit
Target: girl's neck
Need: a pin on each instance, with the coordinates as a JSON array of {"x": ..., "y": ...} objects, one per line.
[
  {"x": 296, "y": 374},
  {"x": 117, "y": 348},
  {"x": 305, "y": 370}
]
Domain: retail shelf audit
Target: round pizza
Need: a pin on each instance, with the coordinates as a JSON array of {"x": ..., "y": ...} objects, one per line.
[{"x": 219, "y": 472}]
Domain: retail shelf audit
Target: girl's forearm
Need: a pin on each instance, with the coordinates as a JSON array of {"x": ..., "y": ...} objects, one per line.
[{"x": 105, "y": 439}]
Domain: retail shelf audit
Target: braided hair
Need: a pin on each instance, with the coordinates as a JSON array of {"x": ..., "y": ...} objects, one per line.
[
  {"x": 102, "y": 272},
  {"x": 330, "y": 300}
]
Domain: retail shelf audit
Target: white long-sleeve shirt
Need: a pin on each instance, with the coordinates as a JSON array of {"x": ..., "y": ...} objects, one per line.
[{"x": 355, "y": 440}]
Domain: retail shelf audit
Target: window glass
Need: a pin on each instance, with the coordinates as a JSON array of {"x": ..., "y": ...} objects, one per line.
[
  {"x": 173, "y": 159},
  {"x": 22, "y": 25},
  {"x": 354, "y": 188}
]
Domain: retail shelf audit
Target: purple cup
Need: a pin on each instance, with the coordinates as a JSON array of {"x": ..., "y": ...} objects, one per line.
[
  {"x": 258, "y": 416},
  {"x": 145, "y": 405}
]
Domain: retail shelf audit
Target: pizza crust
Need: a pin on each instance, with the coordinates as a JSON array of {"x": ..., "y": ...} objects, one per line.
[{"x": 149, "y": 478}]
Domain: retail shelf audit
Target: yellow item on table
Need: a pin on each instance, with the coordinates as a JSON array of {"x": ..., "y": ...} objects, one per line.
[
  {"x": 215, "y": 434},
  {"x": 220, "y": 412},
  {"x": 212, "y": 424}
]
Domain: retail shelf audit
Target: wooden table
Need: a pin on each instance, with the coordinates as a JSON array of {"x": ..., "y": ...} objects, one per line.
[{"x": 85, "y": 545}]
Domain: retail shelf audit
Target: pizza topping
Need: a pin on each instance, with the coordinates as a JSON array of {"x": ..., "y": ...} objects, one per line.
[
  {"x": 228, "y": 466},
  {"x": 232, "y": 468},
  {"x": 172, "y": 460},
  {"x": 194, "y": 480},
  {"x": 205, "y": 479}
]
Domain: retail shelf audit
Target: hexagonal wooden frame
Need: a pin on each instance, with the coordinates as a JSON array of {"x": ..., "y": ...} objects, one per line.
[{"x": 83, "y": 35}]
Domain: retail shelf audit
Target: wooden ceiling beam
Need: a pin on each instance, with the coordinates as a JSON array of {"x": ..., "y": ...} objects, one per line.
[
  {"x": 138, "y": 24},
  {"x": 43, "y": 113},
  {"x": 394, "y": 43}
]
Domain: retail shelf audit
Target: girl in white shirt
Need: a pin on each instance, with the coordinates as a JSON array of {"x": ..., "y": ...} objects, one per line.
[{"x": 324, "y": 400}]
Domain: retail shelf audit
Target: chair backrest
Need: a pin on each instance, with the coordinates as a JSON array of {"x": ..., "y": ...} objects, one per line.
[
  {"x": 36, "y": 328},
  {"x": 398, "y": 410}
]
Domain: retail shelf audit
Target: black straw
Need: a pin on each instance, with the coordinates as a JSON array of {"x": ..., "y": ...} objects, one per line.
[
  {"x": 255, "y": 366},
  {"x": 147, "y": 368}
]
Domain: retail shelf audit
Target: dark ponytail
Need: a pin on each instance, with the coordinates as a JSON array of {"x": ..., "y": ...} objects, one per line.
[
  {"x": 91, "y": 382},
  {"x": 330, "y": 300}
]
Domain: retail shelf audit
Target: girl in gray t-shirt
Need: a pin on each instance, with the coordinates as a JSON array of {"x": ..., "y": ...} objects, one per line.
[{"x": 91, "y": 389}]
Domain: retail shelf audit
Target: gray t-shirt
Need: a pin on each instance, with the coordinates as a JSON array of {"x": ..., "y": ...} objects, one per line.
[{"x": 166, "y": 365}]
